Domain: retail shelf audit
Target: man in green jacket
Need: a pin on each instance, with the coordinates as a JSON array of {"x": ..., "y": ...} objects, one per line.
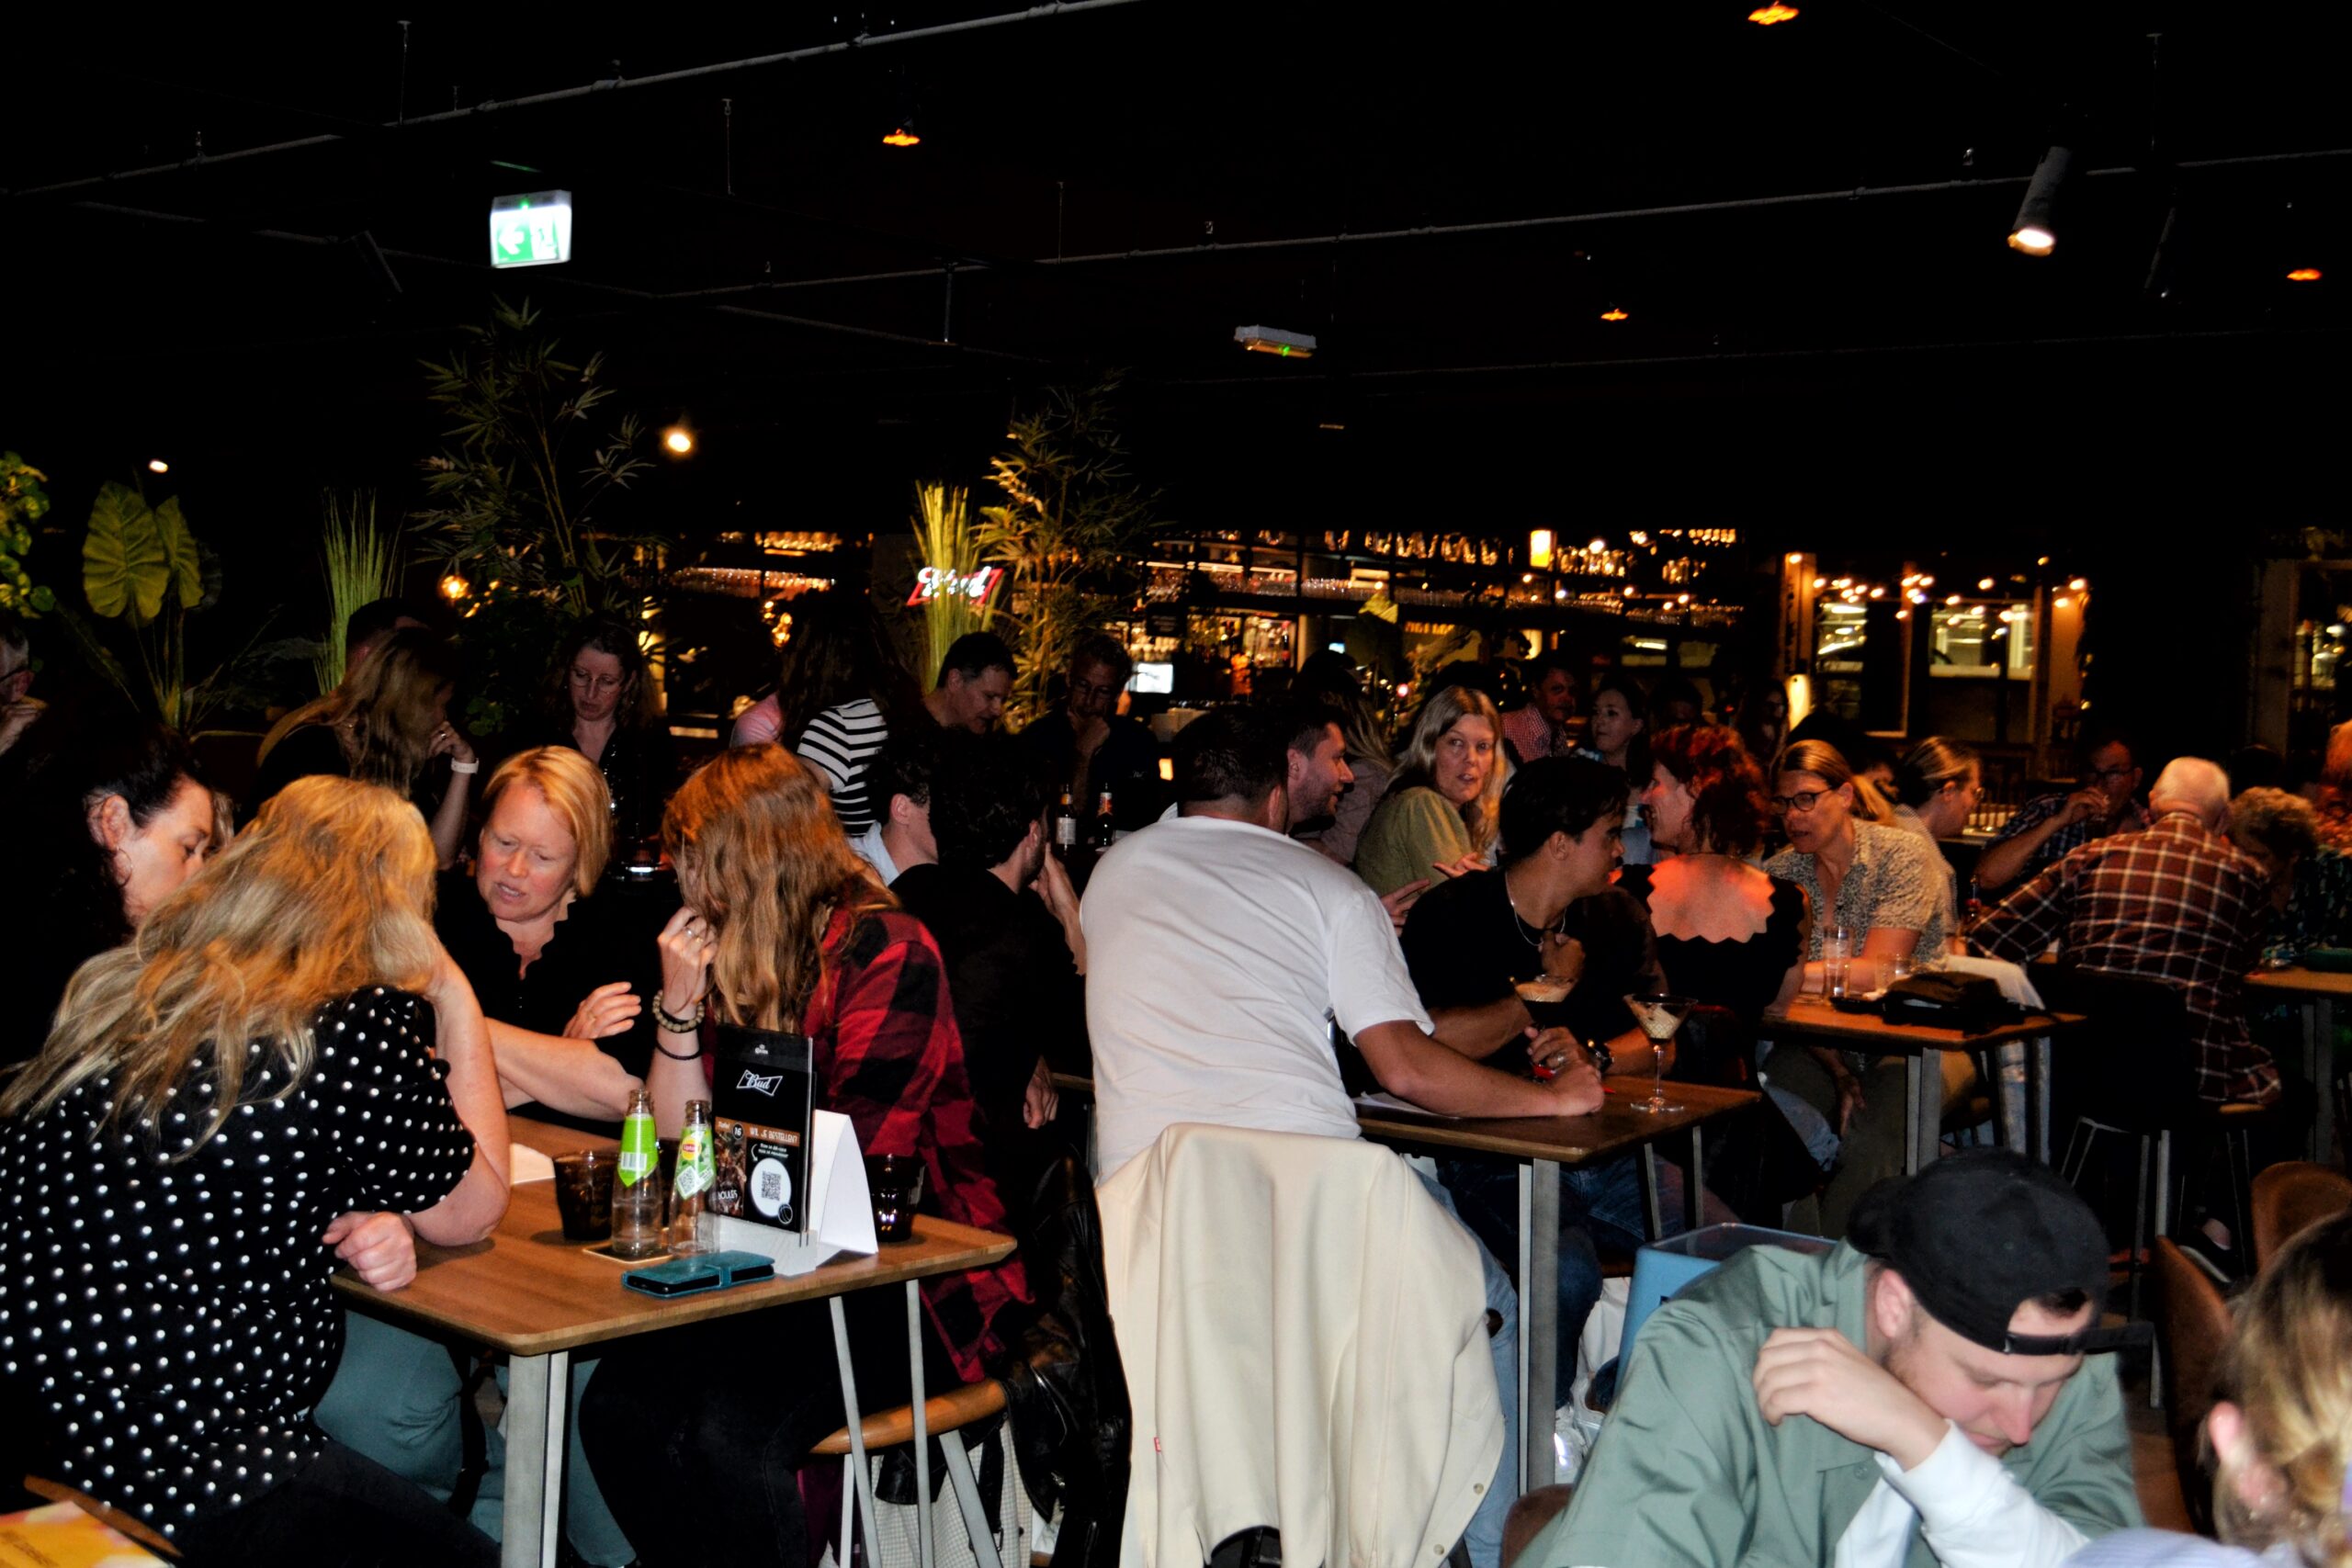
[{"x": 1927, "y": 1392}]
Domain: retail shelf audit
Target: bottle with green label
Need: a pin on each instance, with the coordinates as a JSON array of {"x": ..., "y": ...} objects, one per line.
[
  {"x": 637, "y": 1186},
  {"x": 693, "y": 1226}
]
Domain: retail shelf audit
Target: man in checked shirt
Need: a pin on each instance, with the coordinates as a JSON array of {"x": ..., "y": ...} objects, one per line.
[{"x": 2173, "y": 902}]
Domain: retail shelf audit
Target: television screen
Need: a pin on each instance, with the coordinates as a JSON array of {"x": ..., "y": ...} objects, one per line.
[{"x": 1154, "y": 679}]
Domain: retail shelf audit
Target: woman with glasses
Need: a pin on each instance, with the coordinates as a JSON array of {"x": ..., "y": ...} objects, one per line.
[
  {"x": 600, "y": 704},
  {"x": 1936, "y": 789},
  {"x": 1883, "y": 886}
]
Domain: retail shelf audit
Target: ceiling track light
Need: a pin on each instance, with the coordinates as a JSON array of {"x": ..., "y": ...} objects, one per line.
[{"x": 2033, "y": 233}]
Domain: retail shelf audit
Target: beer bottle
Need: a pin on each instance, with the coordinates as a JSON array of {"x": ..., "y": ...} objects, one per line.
[
  {"x": 694, "y": 1227},
  {"x": 1064, "y": 827},
  {"x": 637, "y": 1188},
  {"x": 1104, "y": 832}
]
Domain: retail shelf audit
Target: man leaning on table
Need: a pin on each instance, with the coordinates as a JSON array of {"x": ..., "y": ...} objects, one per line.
[
  {"x": 1220, "y": 953},
  {"x": 1926, "y": 1392}
]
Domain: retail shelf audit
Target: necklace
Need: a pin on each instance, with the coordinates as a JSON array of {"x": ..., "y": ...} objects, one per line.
[{"x": 1525, "y": 925}]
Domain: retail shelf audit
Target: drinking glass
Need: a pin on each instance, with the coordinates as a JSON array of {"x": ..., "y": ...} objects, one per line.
[
  {"x": 1900, "y": 966},
  {"x": 1660, "y": 1016},
  {"x": 1836, "y": 962}
]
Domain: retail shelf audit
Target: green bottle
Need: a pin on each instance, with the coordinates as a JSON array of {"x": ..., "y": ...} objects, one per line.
[{"x": 637, "y": 1192}]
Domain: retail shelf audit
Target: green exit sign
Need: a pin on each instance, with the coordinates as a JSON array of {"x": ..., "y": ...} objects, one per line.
[{"x": 534, "y": 230}]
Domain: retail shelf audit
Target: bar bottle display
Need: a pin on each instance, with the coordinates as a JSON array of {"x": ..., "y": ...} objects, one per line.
[
  {"x": 694, "y": 1227},
  {"x": 637, "y": 1186}
]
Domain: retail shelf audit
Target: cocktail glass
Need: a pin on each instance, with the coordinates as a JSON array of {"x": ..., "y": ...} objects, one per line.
[{"x": 1660, "y": 1016}]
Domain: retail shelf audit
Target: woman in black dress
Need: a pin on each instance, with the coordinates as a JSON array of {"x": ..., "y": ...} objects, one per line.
[{"x": 600, "y": 702}]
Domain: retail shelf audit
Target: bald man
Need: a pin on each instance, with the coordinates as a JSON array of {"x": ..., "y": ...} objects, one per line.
[{"x": 2173, "y": 902}]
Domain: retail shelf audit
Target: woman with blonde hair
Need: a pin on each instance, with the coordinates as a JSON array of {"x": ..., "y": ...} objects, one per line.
[
  {"x": 2279, "y": 1437},
  {"x": 783, "y": 931},
  {"x": 385, "y": 724},
  {"x": 255, "y": 1078},
  {"x": 1886, "y": 889},
  {"x": 1440, "y": 812}
]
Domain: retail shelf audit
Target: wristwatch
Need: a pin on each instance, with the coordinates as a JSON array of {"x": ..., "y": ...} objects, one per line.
[{"x": 1605, "y": 1060}]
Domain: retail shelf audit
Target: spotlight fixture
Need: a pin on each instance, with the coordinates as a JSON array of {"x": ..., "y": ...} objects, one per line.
[
  {"x": 1770, "y": 15},
  {"x": 1613, "y": 314},
  {"x": 2304, "y": 275},
  {"x": 2033, "y": 233},
  {"x": 454, "y": 588},
  {"x": 1274, "y": 340},
  {"x": 903, "y": 134},
  {"x": 678, "y": 439},
  {"x": 157, "y": 465}
]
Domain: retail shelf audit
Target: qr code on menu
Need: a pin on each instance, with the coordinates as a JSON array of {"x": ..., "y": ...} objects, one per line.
[{"x": 771, "y": 1186}]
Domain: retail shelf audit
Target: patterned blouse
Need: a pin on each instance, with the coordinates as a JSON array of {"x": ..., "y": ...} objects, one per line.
[
  {"x": 2319, "y": 908},
  {"x": 1896, "y": 881}
]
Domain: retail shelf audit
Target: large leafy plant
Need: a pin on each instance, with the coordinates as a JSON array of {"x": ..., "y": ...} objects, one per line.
[
  {"x": 145, "y": 571},
  {"x": 23, "y": 503},
  {"x": 1070, "y": 532}
]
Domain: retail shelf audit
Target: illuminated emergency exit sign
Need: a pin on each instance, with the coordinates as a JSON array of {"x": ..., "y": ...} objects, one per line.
[{"x": 534, "y": 230}]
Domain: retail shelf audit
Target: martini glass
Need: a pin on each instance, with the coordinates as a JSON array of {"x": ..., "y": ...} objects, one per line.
[{"x": 1660, "y": 1016}]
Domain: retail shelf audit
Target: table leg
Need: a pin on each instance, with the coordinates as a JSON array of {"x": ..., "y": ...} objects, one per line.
[
  {"x": 855, "y": 1425},
  {"x": 1913, "y": 1072},
  {"x": 2319, "y": 1068},
  {"x": 536, "y": 1389},
  {"x": 923, "y": 1543},
  {"x": 2036, "y": 1098},
  {"x": 1653, "y": 1211},
  {"x": 1694, "y": 1190},
  {"x": 1539, "y": 1322}
]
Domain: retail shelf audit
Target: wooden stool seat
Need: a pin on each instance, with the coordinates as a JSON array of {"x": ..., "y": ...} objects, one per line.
[
  {"x": 958, "y": 1408},
  {"x": 113, "y": 1518}
]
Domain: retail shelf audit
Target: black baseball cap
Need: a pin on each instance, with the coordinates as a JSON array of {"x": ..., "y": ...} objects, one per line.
[{"x": 1977, "y": 1236}]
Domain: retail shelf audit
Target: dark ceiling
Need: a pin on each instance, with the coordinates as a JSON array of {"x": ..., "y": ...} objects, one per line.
[{"x": 1803, "y": 224}]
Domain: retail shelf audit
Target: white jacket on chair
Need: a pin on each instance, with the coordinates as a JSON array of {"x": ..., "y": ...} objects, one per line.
[{"x": 1304, "y": 1336}]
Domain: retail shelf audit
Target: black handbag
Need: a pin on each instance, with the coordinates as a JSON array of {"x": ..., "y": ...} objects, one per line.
[{"x": 1970, "y": 1003}]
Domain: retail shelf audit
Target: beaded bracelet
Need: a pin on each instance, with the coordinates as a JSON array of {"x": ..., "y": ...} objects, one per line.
[{"x": 671, "y": 1021}]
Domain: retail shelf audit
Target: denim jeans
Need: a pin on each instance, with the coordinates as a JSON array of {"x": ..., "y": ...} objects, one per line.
[
  {"x": 1485, "y": 1536},
  {"x": 1599, "y": 1205}
]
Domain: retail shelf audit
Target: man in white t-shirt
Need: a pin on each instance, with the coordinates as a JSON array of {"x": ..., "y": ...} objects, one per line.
[{"x": 1219, "y": 955}]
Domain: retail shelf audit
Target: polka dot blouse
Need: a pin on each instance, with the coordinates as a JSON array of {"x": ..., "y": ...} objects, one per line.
[{"x": 171, "y": 1320}]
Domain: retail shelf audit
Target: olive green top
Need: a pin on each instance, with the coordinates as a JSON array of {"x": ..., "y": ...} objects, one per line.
[{"x": 1409, "y": 831}]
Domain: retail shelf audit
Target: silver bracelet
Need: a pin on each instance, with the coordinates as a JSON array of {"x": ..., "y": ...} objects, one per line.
[{"x": 458, "y": 767}]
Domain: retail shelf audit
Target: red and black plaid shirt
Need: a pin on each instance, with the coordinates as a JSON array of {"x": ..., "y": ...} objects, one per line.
[
  {"x": 2172, "y": 902},
  {"x": 888, "y": 1058}
]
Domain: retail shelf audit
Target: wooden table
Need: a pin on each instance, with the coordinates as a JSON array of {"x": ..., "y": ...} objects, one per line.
[
  {"x": 2317, "y": 990},
  {"x": 1812, "y": 1021},
  {"x": 527, "y": 1292},
  {"x": 1543, "y": 1146}
]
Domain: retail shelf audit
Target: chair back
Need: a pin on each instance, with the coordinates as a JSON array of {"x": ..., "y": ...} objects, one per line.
[
  {"x": 2132, "y": 1066},
  {"x": 2292, "y": 1196},
  {"x": 2192, "y": 1326}
]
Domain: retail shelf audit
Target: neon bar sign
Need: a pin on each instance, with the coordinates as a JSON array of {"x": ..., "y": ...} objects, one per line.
[{"x": 944, "y": 582}]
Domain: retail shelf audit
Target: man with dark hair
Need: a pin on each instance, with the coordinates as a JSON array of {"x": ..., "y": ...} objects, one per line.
[
  {"x": 1087, "y": 746},
  {"x": 1540, "y": 729},
  {"x": 974, "y": 680},
  {"x": 1926, "y": 1391},
  {"x": 370, "y": 623},
  {"x": 1002, "y": 911},
  {"x": 1221, "y": 953},
  {"x": 899, "y": 782},
  {"x": 1547, "y": 912},
  {"x": 2045, "y": 830},
  {"x": 1315, "y": 755}
]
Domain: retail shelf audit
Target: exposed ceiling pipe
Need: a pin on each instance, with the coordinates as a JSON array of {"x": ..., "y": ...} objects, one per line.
[
  {"x": 611, "y": 84},
  {"x": 1499, "y": 226}
]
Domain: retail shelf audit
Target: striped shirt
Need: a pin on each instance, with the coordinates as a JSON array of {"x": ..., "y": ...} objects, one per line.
[{"x": 839, "y": 744}]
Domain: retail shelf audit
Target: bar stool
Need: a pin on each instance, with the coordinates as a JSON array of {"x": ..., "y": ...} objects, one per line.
[{"x": 945, "y": 1417}]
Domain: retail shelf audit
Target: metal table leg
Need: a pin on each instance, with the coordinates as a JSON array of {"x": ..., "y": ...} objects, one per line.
[
  {"x": 855, "y": 1426},
  {"x": 2036, "y": 1098},
  {"x": 925, "y": 1552},
  {"x": 1539, "y": 1319},
  {"x": 1653, "y": 1210},
  {"x": 1694, "y": 1189},
  {"x": 1912, "y": 1074},
  {"x": 536, "y": 1390},
  {"x": 2319, "y": 1068}
]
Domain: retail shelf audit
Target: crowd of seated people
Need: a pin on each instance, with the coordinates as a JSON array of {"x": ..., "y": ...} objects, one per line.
[{"x": 1301, "y": 905}]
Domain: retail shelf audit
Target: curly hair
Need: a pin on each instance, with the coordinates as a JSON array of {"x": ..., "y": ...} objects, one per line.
[
  {"x": 328, "y": 891},
  {"x": 761, "y": 855},
  {"x": 2284, "y": 825},
  {"x": 61, "y": 869},
  {"x": 1728, "y": 804}
]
